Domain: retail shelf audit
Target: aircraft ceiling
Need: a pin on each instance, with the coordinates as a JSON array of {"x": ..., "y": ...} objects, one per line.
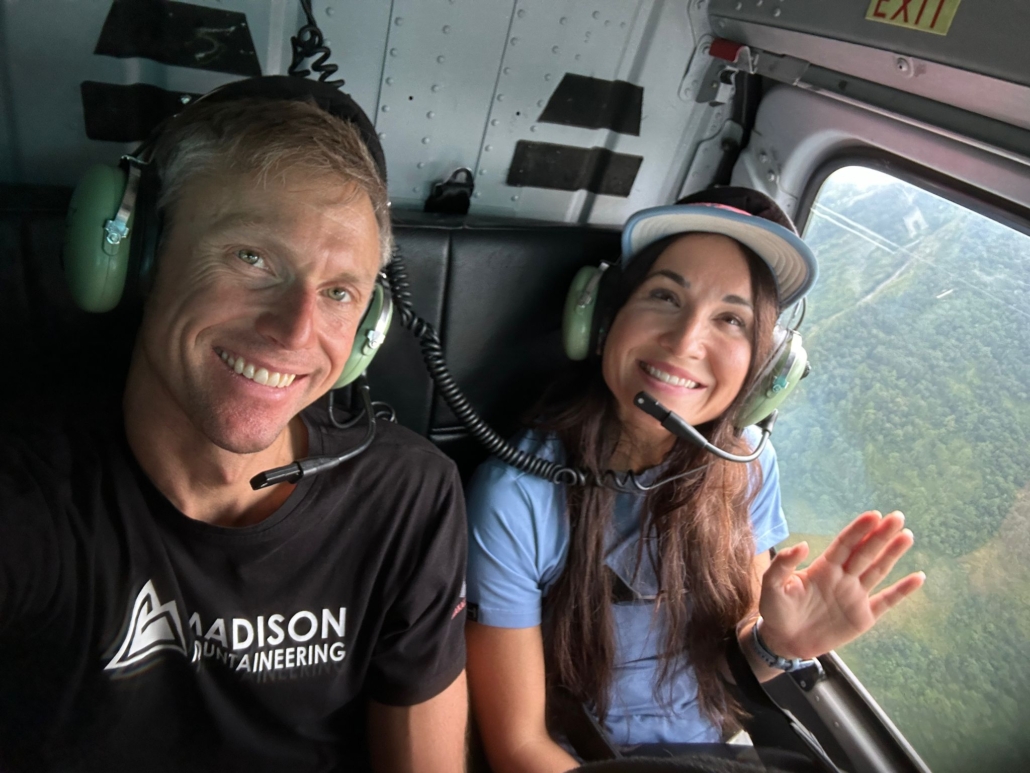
[{"x": 563, "y": 110}]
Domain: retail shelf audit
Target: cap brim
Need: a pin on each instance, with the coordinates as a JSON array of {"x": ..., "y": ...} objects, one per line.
[{"x": 791, "y": 261}]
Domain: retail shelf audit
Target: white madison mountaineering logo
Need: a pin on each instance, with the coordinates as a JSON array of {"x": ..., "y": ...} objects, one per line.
[
  {"x": 268, "y": 642},
  {"x": 154, "y": 626}
]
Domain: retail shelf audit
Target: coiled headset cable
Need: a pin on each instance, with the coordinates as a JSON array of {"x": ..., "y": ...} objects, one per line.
[
  {"x": 436, "y": 364},
  {"x": 309, "y": 42},
  {"x": 433, "y": 356}
]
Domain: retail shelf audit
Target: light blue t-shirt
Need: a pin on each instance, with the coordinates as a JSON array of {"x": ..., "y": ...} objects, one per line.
[{"x": 518, "y": 542}]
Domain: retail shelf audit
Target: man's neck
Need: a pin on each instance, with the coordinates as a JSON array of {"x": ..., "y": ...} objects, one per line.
[{"x": 203, "y": 481}]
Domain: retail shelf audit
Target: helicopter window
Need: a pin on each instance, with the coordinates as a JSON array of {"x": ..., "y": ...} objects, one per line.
[{"x": 919, "y": 400}]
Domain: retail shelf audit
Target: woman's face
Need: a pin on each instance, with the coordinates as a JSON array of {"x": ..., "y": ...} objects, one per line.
[{"x": 684, "y": 335}]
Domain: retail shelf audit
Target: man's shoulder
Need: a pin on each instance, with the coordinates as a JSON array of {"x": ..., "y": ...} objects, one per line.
[
  {"x": 393, "y": 446},
  {"x": 398, "y": 459},
  {"x": 407, "y": 446}
]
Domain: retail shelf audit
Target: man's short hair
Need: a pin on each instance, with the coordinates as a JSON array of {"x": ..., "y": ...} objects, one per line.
[{"x": 267, "y": 138}]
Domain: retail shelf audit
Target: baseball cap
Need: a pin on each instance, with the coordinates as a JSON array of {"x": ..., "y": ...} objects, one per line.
[{"x": 743, "y": 214}]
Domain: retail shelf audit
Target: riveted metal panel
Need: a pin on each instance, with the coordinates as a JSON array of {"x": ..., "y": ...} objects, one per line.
[
  {"x": 493, "y": 63},
  {"x": 441, "y": 64},
  {"x": 46, "y": 125},
  {"x": 986, "y": 36},
  {"x": 796, "y": 131},
  {"x": 356, "y": 33},
  {"x": 648, "y": 43},
  {"x": 547, "y": 40},
  {"x": 180, "y": 34},
  {"x": 49, "y": 51},
  {"x": 673, "y": 36},
  {"x": 992, "y": 97}
]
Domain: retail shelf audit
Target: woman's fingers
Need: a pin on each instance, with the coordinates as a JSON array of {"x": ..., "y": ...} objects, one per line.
[
  {"x": 888, "y": 597},
  {"x": 851, "y": 537},
  {"x": 785, "y": 563},
  {"x": 868, "y": 551},
  {"x": 885, "y": 562}
]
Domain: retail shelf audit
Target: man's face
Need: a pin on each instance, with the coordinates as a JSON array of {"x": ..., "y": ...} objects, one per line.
[{"x": 257, "y": 280}]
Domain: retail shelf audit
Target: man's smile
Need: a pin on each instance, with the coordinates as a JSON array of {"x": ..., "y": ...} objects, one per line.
[{"x": 257, "y": 374}]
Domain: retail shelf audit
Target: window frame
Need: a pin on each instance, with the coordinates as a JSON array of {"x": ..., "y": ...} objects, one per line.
[
  {"x": 977, "y": 200},
  {"x": 846, "y": 704}
]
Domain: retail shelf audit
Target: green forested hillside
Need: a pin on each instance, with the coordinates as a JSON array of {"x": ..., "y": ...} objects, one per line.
[{"x": 919, "y": 400}]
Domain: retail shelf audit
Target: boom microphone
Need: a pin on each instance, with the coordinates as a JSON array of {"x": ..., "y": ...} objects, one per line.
[
  {"x": 313, "y": 465},
  {"x": 681, "y": 429}
]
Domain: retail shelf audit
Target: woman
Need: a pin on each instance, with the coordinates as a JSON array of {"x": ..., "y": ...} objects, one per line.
[{"x": 624, "y": 597}]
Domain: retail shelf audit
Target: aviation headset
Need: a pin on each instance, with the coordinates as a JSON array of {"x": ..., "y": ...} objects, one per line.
[
  {"x": 113, "y": 224},
  {"x": 594, "y": 296}
]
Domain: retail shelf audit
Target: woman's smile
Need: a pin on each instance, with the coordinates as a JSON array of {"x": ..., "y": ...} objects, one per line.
[{"x": 671, "y": 376}]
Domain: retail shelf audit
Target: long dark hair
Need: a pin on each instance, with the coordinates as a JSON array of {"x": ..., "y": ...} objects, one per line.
[{"x": 696, "y": 532}]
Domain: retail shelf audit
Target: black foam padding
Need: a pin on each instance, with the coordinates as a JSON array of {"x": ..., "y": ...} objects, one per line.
[
  {"x": 397, "y": 375},
  {"x": 494, "y": 289},
  {"x": 180, "y": 34},
  {"x": 593, "y": 103},
  {"x": 61, "y": 354},
  {"x": 126, "y": 113},
  {"x": 570, "y": 168},
  {"x": 502, "y": 328}
]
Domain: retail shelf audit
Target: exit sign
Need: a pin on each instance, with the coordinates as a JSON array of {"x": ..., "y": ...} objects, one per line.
[{"x": 924, "y": 15}]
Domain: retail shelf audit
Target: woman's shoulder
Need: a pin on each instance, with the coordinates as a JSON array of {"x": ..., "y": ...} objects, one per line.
[
  {"x": 768, "y": 521},
  {"x": 546, "y": 445},
  {"x": 534, "y": 442},
  {"x": 517, "y": 532},
  {"x": 496, "y": 482},
  {"x": 752, "y": 436}
]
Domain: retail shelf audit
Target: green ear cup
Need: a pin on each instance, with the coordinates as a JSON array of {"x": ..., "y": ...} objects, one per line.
[
  {"x": 789, "y": 366},
  {"x": 370, "y": 336},
  {"x": 577, "y": 320},
  {"x": 94, "y": 267}
]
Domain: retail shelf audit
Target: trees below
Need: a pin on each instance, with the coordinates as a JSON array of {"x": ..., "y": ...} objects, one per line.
[{"x": 919, "y": 336}]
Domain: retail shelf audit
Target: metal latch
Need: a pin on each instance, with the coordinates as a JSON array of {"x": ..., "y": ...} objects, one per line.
[
  {"x": 808, "y": 677},
  {"x": 454, "y": 195}
]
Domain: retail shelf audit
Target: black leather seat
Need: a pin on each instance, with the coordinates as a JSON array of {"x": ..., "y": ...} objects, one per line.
[
  {"x": 52, "y": 350},
  {"x": 494, "y": 289}
]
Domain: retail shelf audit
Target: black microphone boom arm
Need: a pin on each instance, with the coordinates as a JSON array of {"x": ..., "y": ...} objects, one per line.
[
  {"x": 313, "y": 465},
  {"x": 678, "y": 427}
]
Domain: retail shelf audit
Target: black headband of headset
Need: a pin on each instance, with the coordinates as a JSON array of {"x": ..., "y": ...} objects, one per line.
[{"x": 291, "y": 87}]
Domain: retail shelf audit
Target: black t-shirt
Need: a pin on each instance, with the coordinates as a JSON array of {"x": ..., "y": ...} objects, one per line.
[{"x": 135, "y": 638}]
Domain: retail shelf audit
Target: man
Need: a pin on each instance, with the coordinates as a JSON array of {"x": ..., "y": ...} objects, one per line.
[{"x": 156, "y": 612}]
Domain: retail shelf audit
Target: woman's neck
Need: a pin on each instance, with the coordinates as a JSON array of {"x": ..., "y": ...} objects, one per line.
[{"x": 638, "y": 453}]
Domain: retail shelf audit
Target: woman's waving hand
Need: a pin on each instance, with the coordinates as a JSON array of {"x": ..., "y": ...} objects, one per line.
[{"x": 807, "y": 612}]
